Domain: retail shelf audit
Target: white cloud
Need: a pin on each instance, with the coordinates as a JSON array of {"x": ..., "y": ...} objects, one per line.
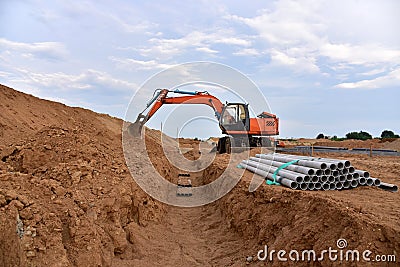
[
  {"x": 247, "y": 52},
  {"x": 89, "y": 79},
  {"x": 164, "y": 48},
  {"x": 373, "y": 72},
  {"x": 43, "y": 50},
  {"x": 291, "y": 33},
  {"x": 206, "y": 50},
  {"x": 5, "y": 74},
  {"x": 303, "y": 33},
  {"x": 297, "y": 63},
  {"x": 360, "y": 54},
  {"x": 390, "y": 79},
  {"x": 289, "y": 23},
  {"x": 139, "y": 27},
  {"x": 228, "y": 40},
  {"x": 282, "y": 58},
  {"x": 133, "y": 64}
]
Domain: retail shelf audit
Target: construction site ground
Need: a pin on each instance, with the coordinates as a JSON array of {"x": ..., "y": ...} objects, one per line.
[{"x": 68, "y": 199}]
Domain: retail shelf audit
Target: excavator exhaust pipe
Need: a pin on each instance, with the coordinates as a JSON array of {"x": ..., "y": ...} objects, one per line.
[{"x": 135, "y": 129}]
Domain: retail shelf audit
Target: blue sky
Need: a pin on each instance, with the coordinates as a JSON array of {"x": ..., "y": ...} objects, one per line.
[{"x": 324, "y": 66}]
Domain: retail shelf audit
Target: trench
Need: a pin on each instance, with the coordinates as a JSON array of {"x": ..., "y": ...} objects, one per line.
[
  {"x": 198, "y": 236},
  {"x": 230, "y": 231}
]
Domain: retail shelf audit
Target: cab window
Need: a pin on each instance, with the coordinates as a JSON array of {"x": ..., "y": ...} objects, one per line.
[{"x": 230, "y": 115}]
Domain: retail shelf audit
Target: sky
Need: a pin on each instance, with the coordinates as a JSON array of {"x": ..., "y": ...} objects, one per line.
[{"x": 324, "y": 66}]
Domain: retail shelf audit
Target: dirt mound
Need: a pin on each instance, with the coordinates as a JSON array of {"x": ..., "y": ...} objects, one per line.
[
  {"x": 392, "y": 144},
  {"x": 65, "y": 186},
  {"x": 22, "y": 115}
]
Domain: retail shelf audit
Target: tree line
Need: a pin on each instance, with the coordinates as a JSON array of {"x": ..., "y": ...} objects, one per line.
[{"x": 361, "y": 135}]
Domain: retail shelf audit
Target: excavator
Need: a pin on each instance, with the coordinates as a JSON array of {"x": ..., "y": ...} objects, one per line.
[{"x": 234, "y": 119}]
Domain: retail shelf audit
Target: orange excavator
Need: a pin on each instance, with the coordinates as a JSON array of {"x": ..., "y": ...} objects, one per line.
[{"x": 234, "y": 119}]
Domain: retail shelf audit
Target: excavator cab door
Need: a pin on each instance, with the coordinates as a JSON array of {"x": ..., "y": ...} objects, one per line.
[{"x": 235, "y": 117}]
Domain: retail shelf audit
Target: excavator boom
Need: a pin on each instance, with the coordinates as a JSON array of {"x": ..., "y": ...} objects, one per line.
[{"x": 160, "y": 98}]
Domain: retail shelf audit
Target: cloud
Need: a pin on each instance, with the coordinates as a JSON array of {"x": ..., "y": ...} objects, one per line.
[
  {"x": 42, "y": 50},
  {"x": 289, "y": 23},
  {"x": 291, "y": 34},
  {"x": 5, "y": 74},
  {"x": 206, "y": 50},
  {"x": 165, "y": 48},
  {"x": 133, "y": 64},
  {"x": 390, "y": 79},
  {"x": 359, "y": 54},
  {"x": 247, "y": 52},
  {"x": 87, "y": 80},
  {"x": 306, "y": 37},
  {"x": 304, "y": 64},
  {"x": 373, "y": 72},
  {"x": 139, "y": 27}
]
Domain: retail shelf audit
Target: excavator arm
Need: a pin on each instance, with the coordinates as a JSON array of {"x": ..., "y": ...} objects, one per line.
[
  {"x": 160, "y": 98},
  {"x": 195, "y": 98}
]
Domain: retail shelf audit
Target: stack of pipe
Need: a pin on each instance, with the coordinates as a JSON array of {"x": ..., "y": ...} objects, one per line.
[{"x": 311, "y": 173}]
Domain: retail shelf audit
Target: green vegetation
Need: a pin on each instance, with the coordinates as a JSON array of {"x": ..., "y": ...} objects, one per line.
[
  {"x": 359, "y": 136},
  {"x": 389, "y": 134},
  {"x": 335, "y": 138},
  {"x": 288, "y": 139}
]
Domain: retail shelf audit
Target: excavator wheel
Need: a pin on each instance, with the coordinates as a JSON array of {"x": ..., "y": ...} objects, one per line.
[
  {"x": 266, "y": 142},
  {"x": 228, "y": 146},
  {"x": 221, "y": 145},
  {"x": 224, "y": 145}
]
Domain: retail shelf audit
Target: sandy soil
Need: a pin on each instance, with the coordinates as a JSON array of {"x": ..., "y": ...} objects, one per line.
[{"x": 67, "y": 199}]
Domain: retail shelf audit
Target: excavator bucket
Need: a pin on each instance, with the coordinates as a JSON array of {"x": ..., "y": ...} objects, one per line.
[{"x": 135, "y": 129}]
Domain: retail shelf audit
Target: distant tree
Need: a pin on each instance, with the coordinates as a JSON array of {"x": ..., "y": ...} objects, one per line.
[
  {"x": 365, "y": 135},
  {"x": 389, "y": 134},
  {"x": 359, "y": 136},
  {"x": 335, "y": 138},
  {"x": 352, "y": 135},
  {"x": 321, "y": 136}
]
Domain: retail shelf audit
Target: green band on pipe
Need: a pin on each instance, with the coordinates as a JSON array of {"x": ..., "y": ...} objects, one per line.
[
  {"x": 282, "y": 167},
  {"x": 268, "y": 182}
]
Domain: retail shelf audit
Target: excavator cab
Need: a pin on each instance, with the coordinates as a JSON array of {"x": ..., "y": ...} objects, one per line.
[{"x": 235, "y": 117}]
